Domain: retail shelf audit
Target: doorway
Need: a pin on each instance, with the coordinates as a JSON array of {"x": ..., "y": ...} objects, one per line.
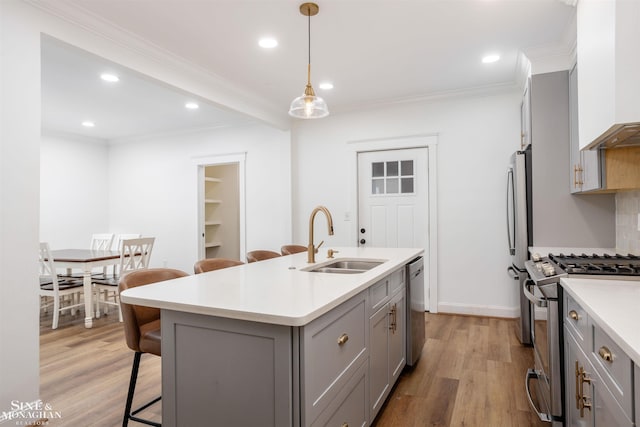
[
  {"x": 393, "y": 200},
  {"x": 221, "y": 207}
]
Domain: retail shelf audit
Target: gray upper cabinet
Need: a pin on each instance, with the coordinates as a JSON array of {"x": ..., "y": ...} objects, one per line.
[{"x": 584, "y": 174}]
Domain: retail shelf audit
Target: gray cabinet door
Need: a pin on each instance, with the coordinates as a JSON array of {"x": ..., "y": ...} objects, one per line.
[
  {"x": 378, "y": 359},
  {"x": 576, "y": 367},
  {"x": 397, "y": 336}
]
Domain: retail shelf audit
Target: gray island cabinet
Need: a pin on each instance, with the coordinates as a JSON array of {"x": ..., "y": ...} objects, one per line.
[
  {"x": 307, "y": 348},
  {"x": 601, "y": 345}
]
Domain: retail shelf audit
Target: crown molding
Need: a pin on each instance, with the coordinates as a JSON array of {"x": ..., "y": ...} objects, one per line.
[{"x": 471, "y": 92}]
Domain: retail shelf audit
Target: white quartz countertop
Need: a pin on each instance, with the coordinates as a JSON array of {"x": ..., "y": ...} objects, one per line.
[
  {"x": 274, "y": 291},
  {"x": 614, "y": 306}
]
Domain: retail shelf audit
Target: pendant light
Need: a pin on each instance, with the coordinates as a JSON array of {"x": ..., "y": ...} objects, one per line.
[{"x": 309, "y": 106}]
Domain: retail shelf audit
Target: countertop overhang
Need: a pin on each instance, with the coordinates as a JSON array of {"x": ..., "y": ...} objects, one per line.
[
  {"x": 274, "y": 291},
  {"x": 613, "y": 304}
]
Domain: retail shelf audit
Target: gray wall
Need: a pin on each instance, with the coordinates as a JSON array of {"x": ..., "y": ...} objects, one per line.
[{"x": 559, "y": 218}]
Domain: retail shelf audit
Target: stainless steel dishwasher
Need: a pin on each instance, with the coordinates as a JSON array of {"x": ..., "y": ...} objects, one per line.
[{"x": 415, "y": 310}]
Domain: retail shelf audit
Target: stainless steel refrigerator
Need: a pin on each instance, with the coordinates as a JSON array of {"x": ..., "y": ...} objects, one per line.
[{"x": 520, "y": 231}]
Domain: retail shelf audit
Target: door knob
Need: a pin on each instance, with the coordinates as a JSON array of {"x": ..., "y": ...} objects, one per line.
[
  {"x": 362, "y": 230},
  {"x": 362, "y": 241}
]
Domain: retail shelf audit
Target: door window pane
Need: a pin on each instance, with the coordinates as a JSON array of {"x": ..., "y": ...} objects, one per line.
[
  {"x": 377, "y": 169},
  {"x": 406, "y": 167},
  {"x": 406, "y": 185},
  {"x": 392, "y": 168},
  {"x": 392, "y": 185},
  {"x": 377, "y": 186}
]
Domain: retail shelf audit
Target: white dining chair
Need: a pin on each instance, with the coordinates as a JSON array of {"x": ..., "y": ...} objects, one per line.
[
  {"x": 53, "y": 289},
  {"x": 134, "y": 255},
  {"x": 101, "y": 241}
]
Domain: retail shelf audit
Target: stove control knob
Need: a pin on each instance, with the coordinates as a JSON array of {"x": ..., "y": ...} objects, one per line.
[{"x": 548, "y": 270}]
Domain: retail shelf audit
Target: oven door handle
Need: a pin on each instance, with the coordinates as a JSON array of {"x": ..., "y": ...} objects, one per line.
[
  {"x": 532, "y": 374},
  {"x": 540, "y": 302}
]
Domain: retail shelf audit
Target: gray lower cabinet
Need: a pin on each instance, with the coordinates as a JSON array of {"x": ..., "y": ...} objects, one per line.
[
  {"x": 387, "y": 332},
  {"x": 227, "y": 372},
  {"x": 598, "y": 375}
]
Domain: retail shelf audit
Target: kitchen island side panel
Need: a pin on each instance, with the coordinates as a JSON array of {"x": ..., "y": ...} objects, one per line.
[{"x": 226, "y": 372}]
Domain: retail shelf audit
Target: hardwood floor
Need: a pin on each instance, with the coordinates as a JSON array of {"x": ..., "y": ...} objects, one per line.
[{"x": 471, "y": 373}]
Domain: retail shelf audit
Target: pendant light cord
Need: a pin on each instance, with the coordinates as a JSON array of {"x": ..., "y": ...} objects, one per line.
[
  {"x": 309, "y": 32},
  {"x": 309, "y": 45}
]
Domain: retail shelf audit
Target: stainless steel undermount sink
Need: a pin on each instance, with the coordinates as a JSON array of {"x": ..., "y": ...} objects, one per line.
[{"x": 345, "y": 266}]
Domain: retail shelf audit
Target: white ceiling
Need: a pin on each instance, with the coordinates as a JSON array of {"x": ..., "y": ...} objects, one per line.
[{"x": 373, "y": 51}]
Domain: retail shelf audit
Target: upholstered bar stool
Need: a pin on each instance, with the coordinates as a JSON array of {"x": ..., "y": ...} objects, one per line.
[
  {"x": 261, "y": 255},
  {"x": 142, "y": 331},
  {"x": 292, "y": 249},
  {"x": 210, "y": 264}
]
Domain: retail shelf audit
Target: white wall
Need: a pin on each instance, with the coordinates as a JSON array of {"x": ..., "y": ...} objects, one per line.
[
  {"x": 19, "y": 181},
  {"x": 153, "y": 187},
  {"x": 476, "y": 137},
  {"x": 74, "y": 200}
]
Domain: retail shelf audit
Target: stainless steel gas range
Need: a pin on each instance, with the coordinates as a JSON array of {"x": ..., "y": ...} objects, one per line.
[{"x": 544, "y": 382}]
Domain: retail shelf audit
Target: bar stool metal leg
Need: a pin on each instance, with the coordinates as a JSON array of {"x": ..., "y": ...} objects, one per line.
[{"x": 128, "y": 413}]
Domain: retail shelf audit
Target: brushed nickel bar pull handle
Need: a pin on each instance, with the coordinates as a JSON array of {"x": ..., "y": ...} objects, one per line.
[
  {"x": 574, "y": 315},
  {"x": 605, "y": 353},
  {"x": 343, "y": 339}
]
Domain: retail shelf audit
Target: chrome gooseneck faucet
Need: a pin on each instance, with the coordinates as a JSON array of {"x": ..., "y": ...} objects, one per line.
[{"x": 311, "y": 249}]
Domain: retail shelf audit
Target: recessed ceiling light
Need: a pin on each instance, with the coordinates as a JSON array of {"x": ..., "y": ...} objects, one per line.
[
  {"x": 490, "y": 58},
  {"x": 88, "y": 124},
  {"x": 112, "y": 78},
  {"x": 191, "y": 106},
  {"x": 268, "y": 42},
  {"x": 326, "y": 85}
]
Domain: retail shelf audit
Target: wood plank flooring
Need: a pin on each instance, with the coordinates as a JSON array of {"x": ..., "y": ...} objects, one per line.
[{"x": 471, "y": 373}]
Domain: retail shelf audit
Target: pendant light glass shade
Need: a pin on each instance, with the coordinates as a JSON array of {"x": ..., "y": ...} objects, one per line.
[{"x": 309, "y": 106}]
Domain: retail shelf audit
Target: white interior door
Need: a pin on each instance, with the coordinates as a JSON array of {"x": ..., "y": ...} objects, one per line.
[{"x": 393, "y": 200}]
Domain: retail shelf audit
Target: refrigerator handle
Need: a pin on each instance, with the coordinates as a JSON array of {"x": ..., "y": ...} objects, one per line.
[
  {"x": 511, "y": 233},
  {"x": 513, "y": 273}
]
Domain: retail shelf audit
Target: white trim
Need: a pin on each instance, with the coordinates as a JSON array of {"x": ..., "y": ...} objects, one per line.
[
  {"x": 479, "y": 310},
  {"x": 429, "y": 141},
  {"x": 222, "y": 159}
]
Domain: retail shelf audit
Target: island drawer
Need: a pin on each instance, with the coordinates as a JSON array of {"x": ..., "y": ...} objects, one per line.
[
  {"x": 614, "y": 366},
  {"x": 332, "y": 347},
  {"x": 349, "y": 407},
  {"x": 577, "y": 320}
]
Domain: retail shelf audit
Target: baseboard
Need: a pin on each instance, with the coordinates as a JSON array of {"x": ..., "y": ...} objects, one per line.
[{"x": 479, "y": 310}]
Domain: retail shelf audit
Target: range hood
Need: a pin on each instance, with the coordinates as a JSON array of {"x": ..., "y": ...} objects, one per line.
[{"x": 620, "y": 135}]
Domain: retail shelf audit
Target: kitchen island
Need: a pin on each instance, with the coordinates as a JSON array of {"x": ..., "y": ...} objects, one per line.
[{"x": 268, "y": 343}]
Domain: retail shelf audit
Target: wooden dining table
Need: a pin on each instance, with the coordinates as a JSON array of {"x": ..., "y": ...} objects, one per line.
[{"x": 85, "y": 260}]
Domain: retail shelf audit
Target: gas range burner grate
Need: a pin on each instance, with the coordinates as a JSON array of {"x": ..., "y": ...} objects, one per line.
[{"x": 611, "y": 265}]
